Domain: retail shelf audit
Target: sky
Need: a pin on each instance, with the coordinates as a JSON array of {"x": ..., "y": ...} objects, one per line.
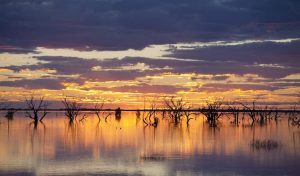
[{"x": 123, "y": 51}]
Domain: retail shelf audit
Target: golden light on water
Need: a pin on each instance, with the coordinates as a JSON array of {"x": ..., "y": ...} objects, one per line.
[{"x": 179, "y": 88}]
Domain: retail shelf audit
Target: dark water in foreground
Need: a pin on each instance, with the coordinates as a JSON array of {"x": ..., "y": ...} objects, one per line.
[{"x": 125, "y": 147}]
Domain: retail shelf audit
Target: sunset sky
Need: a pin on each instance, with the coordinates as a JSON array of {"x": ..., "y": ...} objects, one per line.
[{"x": 125, "y": 50}]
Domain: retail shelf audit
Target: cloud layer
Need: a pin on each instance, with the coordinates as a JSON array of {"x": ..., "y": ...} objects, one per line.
[
  {"x": 123, "y": 24},
  {"x": 127, "y": 49}
]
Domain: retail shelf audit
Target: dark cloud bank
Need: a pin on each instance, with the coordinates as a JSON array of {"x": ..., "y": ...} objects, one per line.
[{"x": 122, "y": 24}]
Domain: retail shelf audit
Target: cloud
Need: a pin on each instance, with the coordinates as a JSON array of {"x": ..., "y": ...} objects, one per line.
[
  {"x": 264, "y": 57},
  {"x": 124, "y": 24},
  {"x": 145, "y": 88},
  {"x": 138, "y": 66},
  {"x": 269, "y": 59},
  {"x": 227, "y": 87},
  {"x": 153, "y": 45},
  {"x": 52, "y": 84}
]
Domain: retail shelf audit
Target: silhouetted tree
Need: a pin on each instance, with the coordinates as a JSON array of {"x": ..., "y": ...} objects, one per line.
[
  {"x": 293, "y": 117},
  {"x": 187, "y": 115},
  {"x": 213, "y": 111},
  {"x": 233, "y": 109},
  {"x": 264, "y": 114},
  {"x": 72, "y": 109},
  {"x": 150, "y": 112},
  {"x": 98, "y": 107},
  {"x": 177, "y": 108},
  {"x": 251, "y": 109},
  {"x": 276, "y": 114},
  {"x": 98, "y": 110},
  {"x": 36, "y": 108}
]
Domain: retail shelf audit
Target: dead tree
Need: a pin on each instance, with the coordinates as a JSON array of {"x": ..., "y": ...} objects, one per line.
[
  {"x": 106, "y": 115},
  {"x": 295, "y": 120},
  {"x": 99, "y": 112},
  {"x": 274, "y": 114},
  {"x": 10, "y": 113},
  {"x": 150, "y": 113},
  {"x": 213, "y": 111},
  {"x": 36, "y": 108},
  {"x": 264, "y": 114},
  {"x": 250, "y": 110},
  {"x": 175, "y": 109},
  {"x": 187, "y": 114},
  {"x": 98, "y": 109},
  {"x": 234, "y": 111},
  {"x": 72, "y": 109},
  {"x": 293, "y": 117}
]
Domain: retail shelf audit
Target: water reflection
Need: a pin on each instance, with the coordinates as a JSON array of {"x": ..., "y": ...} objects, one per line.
[{"x": 126, "y": 147}]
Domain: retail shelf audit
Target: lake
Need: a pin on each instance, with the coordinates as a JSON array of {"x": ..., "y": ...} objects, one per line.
[{"x": 128, "y": 147}]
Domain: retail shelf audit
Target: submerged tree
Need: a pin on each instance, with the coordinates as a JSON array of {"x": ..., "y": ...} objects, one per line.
[
  {"x": 264, "y": 114},
  {"x": 177, "y": 109},
  {"x": 233, "y": 109},
  {"x": 36, "y": 108},
  {"x": 187, "y": 114},
  {"x": 250, "y": 109},
  {"x": 99, "y": 111},
  {"x": 294, "y": 118},
  {"x": 72, "y": 109},
  {"x": 98, "y": 108},
  {"x": 10, "y": 113},
  {"x": 149, "y": 113},
  {"x": 213, "y": 111}
]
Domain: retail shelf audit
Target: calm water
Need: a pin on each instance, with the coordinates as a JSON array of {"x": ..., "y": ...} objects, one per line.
[{"x": 126, "y": 147}]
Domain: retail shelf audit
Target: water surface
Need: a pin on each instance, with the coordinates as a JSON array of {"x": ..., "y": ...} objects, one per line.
[{"x": 127, "y": 147}]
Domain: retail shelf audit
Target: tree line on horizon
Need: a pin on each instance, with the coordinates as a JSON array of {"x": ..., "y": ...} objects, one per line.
[{"x": 175, "y": 109}]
